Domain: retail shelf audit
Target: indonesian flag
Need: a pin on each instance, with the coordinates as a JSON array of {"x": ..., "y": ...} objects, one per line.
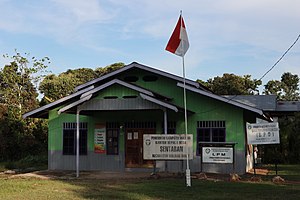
[{"x": 178, "y": 43}]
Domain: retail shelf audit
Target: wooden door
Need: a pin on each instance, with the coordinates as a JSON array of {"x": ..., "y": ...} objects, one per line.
[{"x": 134, "y": 149}]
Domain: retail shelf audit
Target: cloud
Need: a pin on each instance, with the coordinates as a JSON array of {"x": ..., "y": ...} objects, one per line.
[
  {"x": 84, "y": 11},
  {"x": 242, "y": 33}
]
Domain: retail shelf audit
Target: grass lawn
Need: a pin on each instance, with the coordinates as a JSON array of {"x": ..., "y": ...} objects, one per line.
[
  {"x": 165, "y": 188},
  {"x": 288, "y": 172},
  {"x": 143, "y": 189}
]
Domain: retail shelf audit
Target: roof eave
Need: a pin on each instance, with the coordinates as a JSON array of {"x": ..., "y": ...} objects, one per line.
[{"x": 223, "y": 99}]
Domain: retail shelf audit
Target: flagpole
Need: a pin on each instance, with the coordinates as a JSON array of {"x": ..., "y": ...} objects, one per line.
[
  {"x": 179, "y": 44},
  {"x": 188, "y": 172}
]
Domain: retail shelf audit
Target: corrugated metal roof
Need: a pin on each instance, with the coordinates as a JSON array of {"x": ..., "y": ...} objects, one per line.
[
  {"x": 224, "y": 99},
  {"x": 143, "y": 67},
  {"x": 267, "y": 103},
  {"x": 264, "y": 102},
  {"x": 288, "y": 106}
]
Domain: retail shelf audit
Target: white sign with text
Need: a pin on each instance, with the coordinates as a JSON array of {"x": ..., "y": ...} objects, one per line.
[
  {"x": 168, "y": 147},
  {"x": 217, "y": 154},
  {"x": 263, "y": 133}
]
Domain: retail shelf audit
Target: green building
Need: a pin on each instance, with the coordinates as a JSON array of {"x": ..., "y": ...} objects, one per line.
[{"x": 117, "y": 109}]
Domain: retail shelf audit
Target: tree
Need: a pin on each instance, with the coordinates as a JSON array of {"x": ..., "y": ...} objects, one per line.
[
  {"x": 110, "y": 68},
  {"x": 55, "y": 87},
  {"x": 287, "y": 89},
  {"x": 18, "y": 95},
  {"x": 273, "y": 87},
  {"x": 230, "y": 84}
]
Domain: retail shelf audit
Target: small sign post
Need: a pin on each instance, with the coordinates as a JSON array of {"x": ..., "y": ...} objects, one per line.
[
  {"x": 217, "y": 153},
  {"x": 262, "y": 133}
]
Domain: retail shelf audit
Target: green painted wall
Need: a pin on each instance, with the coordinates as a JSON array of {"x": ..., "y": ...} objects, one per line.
[{"x": 204, "y": 108}]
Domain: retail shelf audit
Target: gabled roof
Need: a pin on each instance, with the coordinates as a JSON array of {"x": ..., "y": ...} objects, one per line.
[
  {"x": 86, "y": 91},
  {"x": 264, "y": 102},
  {"x": 143, "y": 67},
  {"x": 84, "y": 95},
  {"x": 223, "y": 99},
  {"x": 42, "y": 112}
]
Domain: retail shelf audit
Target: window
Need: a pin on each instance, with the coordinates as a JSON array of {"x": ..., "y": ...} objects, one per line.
[
  {"x": 140, "y": 125},
  {"x": 210, "y": 131},
  {"x": 69, "y": 138},
  {"x": 112, "y": 138},
  {"x": 171, "y": 127}
]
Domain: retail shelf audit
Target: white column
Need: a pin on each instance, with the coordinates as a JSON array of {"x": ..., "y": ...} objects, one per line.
[{"x": 77, "y": 142}]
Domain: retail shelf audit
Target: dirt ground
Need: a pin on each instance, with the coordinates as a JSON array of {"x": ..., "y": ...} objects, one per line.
[{"x": 48, "y": 174}]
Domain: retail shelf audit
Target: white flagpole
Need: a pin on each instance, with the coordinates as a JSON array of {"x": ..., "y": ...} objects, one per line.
[{"x": 187, "y": 172}]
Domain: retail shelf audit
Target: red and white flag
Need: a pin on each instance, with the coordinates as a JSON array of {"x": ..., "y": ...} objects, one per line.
[{"x": 178, "y": 43}]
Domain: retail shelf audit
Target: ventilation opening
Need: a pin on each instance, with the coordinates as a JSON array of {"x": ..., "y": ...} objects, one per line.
[
  {"x": 110, "y": 97},
  {"x": 150, "y": 78},
  {"x": 130, "y": 97},
  {"x": 131, "y": 79}
]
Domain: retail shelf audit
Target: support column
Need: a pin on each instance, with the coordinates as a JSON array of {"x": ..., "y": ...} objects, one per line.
[
  {"x": 77, "y": 142},
  {"x": 166, "y": 132},
  {"x": 165, "y": 122}
]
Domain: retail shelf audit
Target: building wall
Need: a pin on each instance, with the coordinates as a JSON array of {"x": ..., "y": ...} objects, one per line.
[{"x": 204, "y": 108}]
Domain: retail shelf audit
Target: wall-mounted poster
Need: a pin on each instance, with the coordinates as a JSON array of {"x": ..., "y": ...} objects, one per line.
[{"x": 100, "y": 139}]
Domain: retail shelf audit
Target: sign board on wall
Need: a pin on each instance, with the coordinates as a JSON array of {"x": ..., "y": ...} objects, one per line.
[
  {"x": 167, "y": 147},
  {"x": 217, "y": 154},
  {"x": 100, "y": 139},
  {"x": 263, "y": 133}
]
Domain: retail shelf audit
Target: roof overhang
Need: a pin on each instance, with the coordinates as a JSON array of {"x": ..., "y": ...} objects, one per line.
[
  {"x": 86, "y": 94},
  {"x": 143, "y": 67},
  {"x": 223, "y": 99}
]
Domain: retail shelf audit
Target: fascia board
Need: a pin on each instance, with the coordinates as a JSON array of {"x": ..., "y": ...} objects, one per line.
[
  {"x": 220, "y": 98},
  {"x": 140, "y": 66},
  {"x": 161, "y": 103}
]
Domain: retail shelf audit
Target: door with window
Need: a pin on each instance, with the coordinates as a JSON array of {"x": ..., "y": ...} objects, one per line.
[{"x": 134, "y": 149}]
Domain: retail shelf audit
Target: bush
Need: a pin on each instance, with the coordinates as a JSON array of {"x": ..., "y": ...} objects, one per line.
[{"x": 33, "y": 162}]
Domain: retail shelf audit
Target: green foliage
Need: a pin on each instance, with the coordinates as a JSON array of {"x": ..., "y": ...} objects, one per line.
[
  {"x": 288, "y": 150},
  {"x": 230, "y": 84},
  {"x": 55, "y": 87},
  {"x": 110, "y": 68},
  {"x": 19, "y": 137},
  {"x": 287, "y": 89},
  {"x": 31, "y": 161}
]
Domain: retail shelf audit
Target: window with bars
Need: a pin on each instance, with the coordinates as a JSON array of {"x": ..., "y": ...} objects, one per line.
[
  {"x": 142, "y": 125},
  {"x": 69, "y": 138},
  {"x": 112, "y": 138},
  {"x": 171, "y": 127},
  {"x": 210, "y": 131}
]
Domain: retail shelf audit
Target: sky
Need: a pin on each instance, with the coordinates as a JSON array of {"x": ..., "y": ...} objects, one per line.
[{"x": 225, "y": 36}]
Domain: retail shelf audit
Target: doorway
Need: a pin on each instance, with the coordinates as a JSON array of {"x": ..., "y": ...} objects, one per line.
[{"x": 134, "y": 148}]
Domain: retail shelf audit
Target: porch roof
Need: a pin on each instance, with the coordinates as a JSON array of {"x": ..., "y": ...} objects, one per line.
[{"x": 86, "y": 94}]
